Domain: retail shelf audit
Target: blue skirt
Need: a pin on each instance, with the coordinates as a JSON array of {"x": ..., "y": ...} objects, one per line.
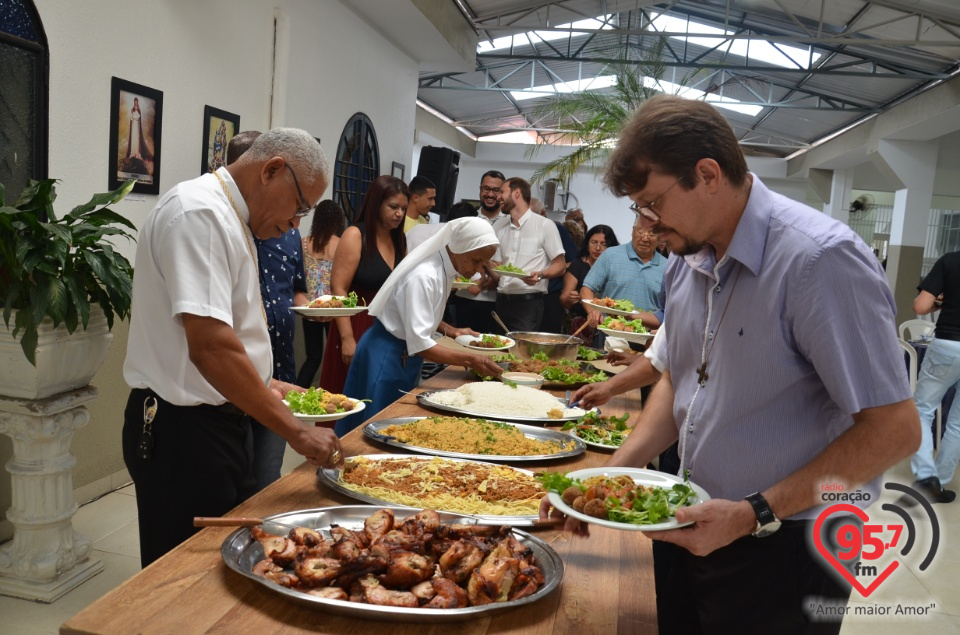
[{"x": 379, "y": 371}]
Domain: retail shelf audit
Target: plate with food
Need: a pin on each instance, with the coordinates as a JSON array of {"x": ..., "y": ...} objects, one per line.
[
  {"x": 630, "y": 330},
  {"x": 559, "y": 372},
  {"x": 611, "y": 306},
  {"x": 600, "y": 431},
  {"x": 318, "y": 405},
  {"x": 473, "y": 438},
  {"x": 485, "y": 342},
  {"x": 331, "y": 306},
  {"x": 626, "y": 498},
  {"x": 294, "y": 555},
  {"x": 463, "y": 282},
  {"x": 496, "y": 493},
  {"x": 502, "y": 401},
  {"x": 590, "y": 354},
  {"x": 510, "y": 271}
]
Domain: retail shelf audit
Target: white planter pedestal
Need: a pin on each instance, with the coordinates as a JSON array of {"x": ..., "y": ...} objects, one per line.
[{"x": 46, "y": 558}]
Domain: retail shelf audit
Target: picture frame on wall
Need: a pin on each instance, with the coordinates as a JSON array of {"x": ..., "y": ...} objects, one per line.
[
  {"x": 219, "y": 127},
  {"x": 136, "y": 115},
  {"x": 397, "y": 170}
]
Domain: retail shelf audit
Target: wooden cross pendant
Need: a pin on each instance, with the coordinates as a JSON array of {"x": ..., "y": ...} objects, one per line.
[{"x": 702, "y": 373}]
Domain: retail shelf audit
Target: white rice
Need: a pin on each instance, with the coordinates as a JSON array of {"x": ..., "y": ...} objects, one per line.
[{"x": 495, "y": 398}]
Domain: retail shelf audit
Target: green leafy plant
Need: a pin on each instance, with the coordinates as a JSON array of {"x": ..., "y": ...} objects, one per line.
[{"x": 58, "y": 267}]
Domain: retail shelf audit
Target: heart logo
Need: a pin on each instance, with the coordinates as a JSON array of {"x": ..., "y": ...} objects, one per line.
[{"x": 832, "y": 559}]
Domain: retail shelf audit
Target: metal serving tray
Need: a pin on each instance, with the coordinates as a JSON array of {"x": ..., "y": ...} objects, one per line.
[
  {"x": 331, "y": 478},
  {"x": 241, "y": 553},
  {"x": 373, "y": 430},
  {"x": 424, "y": 399}
]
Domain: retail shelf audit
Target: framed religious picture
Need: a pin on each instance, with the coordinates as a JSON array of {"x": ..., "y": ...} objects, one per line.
[
  {"x": 219, "y": 126},
  {"x": 397, "y": 170},
  {"x": 136, "y": 114}
]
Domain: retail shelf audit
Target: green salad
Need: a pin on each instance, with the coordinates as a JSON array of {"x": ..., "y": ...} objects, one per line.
[
  {"x": 462, "y": 279},
  {"x": 620, "y": 324},
  {"x": 317, "y": 401},
  {"x": 600, "y": 429},
  {"x": 619, "y": 498},
  {"x": 588, "y": 354},
  {"x": 510, "y": 269}
]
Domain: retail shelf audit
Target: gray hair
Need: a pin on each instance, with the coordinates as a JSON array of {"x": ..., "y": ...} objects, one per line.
[{"x": 296, "y": 147}]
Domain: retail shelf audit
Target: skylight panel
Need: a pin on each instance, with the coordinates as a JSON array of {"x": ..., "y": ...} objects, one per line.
[{"x": 524, "y": 39}]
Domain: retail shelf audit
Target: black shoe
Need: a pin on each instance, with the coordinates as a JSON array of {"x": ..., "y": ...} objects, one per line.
[{"x": 931, "y": 488}]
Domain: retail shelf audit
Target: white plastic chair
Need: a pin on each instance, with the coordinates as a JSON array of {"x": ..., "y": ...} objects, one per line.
[
  {"x": 912, "y": 372},
  {"x": 916, "y": 329}
]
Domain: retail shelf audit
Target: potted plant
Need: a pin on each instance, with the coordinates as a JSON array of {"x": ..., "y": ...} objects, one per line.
[{"x": 57, "y": 274}]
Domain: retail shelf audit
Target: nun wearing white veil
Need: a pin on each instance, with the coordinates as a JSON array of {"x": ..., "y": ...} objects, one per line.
[{"x": 409, "y": 309}]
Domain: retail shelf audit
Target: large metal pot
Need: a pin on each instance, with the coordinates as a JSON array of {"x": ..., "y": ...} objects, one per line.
[{"x": 555, "y": 346}]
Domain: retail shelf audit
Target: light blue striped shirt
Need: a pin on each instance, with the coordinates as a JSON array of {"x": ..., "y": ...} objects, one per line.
[
  {"x": 619, "y": 273},
  {"x": 801, "y": 335}
]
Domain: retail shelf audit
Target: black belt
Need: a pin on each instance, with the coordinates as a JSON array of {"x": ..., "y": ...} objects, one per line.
[
  {"x": 227, "y": 408},
  {"x": 517, "y": 297}
]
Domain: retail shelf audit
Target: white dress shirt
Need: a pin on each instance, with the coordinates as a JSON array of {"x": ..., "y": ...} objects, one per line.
[
  {"x": 531, "y": 245},
  {"x": 193, "y": 256}
]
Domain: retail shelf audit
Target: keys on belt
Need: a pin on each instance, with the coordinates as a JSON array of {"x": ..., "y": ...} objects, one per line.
[{"x": 145, "y": 446}]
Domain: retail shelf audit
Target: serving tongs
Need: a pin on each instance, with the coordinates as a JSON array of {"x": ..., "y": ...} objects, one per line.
[{"x": 239, "y": 521}]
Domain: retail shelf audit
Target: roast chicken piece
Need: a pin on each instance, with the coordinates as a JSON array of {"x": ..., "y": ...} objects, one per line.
[
  {"x": 280, "y": 549},
  {"x": 275, "y": 573},
  {"x": 492, "y": 581},
  {"x": 329, "y": 592},
  {"x": 317, "y": 571},
  {"x": 377, "y": 525},
  {"x": 448, "y": 595},
  {"x": 407, "y": 569},
  {"x": 460, "y": 560}
]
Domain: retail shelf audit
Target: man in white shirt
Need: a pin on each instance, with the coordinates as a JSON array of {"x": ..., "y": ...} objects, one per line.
[
  {"x": 473, "y": 305},
  {"x": 529, "y": 242},
  {"x": 198, "y": 357}
]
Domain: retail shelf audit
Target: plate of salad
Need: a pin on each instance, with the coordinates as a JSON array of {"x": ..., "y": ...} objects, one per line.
[
  {"x": 630, "y": 330},
  {"x": 463, "y": 282},
  {"x": 485, "y": 342},
  {"x": 603, "y": 432},
  {"x": 510, "y": 271},
  {"x": 331, "y": 306},
  {"x": 318, "y": 404},
  {"x": 611, "y": 306},
  {"x": 625, "y": 498},
  {"x": 589, "y": 354}
]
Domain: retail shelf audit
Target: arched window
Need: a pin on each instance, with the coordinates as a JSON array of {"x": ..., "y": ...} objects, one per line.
[
  {"x": 357, "y": 165},
  {"x": 23, "y": 96}
]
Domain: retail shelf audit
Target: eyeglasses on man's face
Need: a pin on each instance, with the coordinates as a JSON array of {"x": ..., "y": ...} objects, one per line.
[
  {"x": 486, "y": 189},
  {"x": 305, "y": 207},
  {"x": 647, "y": 211}
]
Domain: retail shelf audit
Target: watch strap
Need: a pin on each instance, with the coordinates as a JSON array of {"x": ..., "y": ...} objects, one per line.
[{"x": 761, "y": 508}]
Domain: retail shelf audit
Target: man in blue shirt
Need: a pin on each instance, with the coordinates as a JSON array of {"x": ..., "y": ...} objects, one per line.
[
  {"x": 629, "y": 272},
  {"x": 771, "y": 389},
  {"x": 282, "y": 285}
]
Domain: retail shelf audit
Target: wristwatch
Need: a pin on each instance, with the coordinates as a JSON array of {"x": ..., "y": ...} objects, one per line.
[{"x": 767, "y": 521}]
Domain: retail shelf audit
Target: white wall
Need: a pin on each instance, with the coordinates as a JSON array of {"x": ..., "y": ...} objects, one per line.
[{"x": 216, "y": 52}]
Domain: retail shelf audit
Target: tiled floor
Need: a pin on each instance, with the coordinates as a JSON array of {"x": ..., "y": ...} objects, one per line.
[{"x": 111, "y": 523}]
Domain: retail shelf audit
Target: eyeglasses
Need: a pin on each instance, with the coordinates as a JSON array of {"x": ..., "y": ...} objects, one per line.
[
  {"x": 490, "y": 190},
  {"x": 646, "y": 211},
  {"x": 304, "y": 208}
]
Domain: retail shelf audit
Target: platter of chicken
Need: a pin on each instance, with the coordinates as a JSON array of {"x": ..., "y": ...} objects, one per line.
[{"x": 392, "y": 563}]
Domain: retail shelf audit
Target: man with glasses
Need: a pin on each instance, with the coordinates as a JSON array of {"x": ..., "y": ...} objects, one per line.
[
  {"x": 473, "y": 306},
  {"x": 199, "y": 359},
  {"x": 282, "y": 285},
  {"x": 782, "y": 374},
  {"x": 629, "y": 272}
]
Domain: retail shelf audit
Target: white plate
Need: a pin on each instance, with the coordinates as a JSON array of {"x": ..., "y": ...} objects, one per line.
[
  {"x": 331, "y": 312},
  {"x": 607, "y": 309},
  {"x": 598, "y": 446},
  {"x": 639, "y": 338},
  {"x": 511, "y": 274},
  {"x": 330, "y": 417},
  {"x": 641, "y": 477},
  {"x": 467, "y": 340},
  {"x": 462, "y": 285}
]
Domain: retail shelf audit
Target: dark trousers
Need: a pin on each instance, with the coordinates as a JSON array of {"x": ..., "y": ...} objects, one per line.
[
  {"x": 314, "y": 335},
  {"x": 475, "y": 314},
  {"x": 521, "y": 312},
  {"x": 200, "y": 466},
  {"x": 553, "y": 313},
  {"x": 753, "y": 585}
]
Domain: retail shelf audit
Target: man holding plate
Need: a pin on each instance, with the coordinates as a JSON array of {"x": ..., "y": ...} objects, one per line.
[{"x": 769, "y": 386}]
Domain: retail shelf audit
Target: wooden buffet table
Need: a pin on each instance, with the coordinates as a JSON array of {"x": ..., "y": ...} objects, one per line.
[{"x": 607, "y": 584}]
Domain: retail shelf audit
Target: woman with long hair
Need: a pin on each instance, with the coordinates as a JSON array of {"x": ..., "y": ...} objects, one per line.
[
  {"x": 365, "y": 257},
  {"x": 597, "y": 240},
  {"x": 319, "y": 247}
]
